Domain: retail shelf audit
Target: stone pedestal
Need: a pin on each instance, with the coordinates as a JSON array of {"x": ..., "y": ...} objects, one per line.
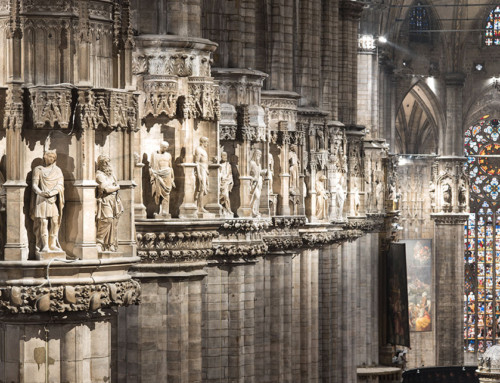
[
  {"x": 188, "y": 208},
  {"x": 449, "y": 279}
]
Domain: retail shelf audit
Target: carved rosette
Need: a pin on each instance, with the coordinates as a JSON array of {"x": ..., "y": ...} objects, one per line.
[
  {"x": 161, "y": 96},
  {"x": 202, "y": 101},
  {"x": 68, "y": 298},
  {"x": 50, "y": 106}
]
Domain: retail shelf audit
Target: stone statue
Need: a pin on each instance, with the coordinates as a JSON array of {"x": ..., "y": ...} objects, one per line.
[
  {"x": 109, "y": 206},
  {"x": 294, "y": 171},
  {"x": 270, "y": 172},
  {"x": 321, "y": 198},
  {"x": 340, "y": 194},
  {"x": 447, "y": 194},
  {"x": 162, "y": 178},
  {"x": 256, "y": 173},
  {"x": 462, "y": 194},
  {"x": 320, "y": 140},
  {"x": 379, "y": 195},
  {"x": 226, "y": 184},
  {"x": 432, "y": 194},
  {"x": 356, "y": 200},
  {"x": 47, "y": 203},
  {"x": 201, "y": 161}
]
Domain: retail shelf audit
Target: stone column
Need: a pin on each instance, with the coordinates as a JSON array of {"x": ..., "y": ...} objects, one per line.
[
  {"x": 328, "y": 311},
  {"x": 284, "y": 202},
  {"x": 451, "y": 141},
  {"x": 449, "y": 280},
  {"x": 350, "y": 12},
  {"x": 329, "y": 58},
  {"x": 368, "y": 91},
  {"x": 280, "y": 317},
  {"x": 76, "y": 348},
  {"x": 16, "y": 246},
  {"x": 167, "y": 346}
]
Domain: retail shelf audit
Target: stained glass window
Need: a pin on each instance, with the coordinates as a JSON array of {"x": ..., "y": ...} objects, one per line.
[
  {"x": 419, "y": 23},
  {"x": 482, "y": 237},
  {"x": 492, "y": 29}
]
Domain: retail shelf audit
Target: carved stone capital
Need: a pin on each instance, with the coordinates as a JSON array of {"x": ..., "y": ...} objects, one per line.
[
  {"x": 51, "y": 106},
  {"x": 115, "y": 109},
  {"x": 450, "y": 218},
  {"x": 202, "y": 101},
  {"x": 175, "y": 246},
  {"x": 161, "y": 94},
  {"x": 67, "y": 298},
  {"x": 251, "y": 122}
]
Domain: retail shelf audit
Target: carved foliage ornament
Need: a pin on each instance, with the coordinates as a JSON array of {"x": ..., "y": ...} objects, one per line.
[
  {"x": 203, "y": 100},
  {"x": 177, "y": 64},
  {"x": 175, "y": 246},
  {"x": 107, "y": 108},
  {"x": 14, "y": 110},
  {"x": 51, "y": 106},
  {"x": 251, "y": 129},
  {"x": 161, "y": 97},
  {"x": 32, "y": 299}
]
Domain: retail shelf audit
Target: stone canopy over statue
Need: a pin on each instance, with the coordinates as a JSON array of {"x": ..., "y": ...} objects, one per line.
[
  {"x": 162, "y": 178},
  {"x": 47, "y": 204}
]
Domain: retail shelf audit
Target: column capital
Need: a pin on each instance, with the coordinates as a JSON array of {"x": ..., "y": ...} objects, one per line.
[{"x": 450, "y": 218}]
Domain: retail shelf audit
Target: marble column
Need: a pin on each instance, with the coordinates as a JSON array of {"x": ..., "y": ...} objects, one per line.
[
  {"x": 73, "y": 348},
  {"x": 449, "y": 280},
  {"x": 451, "y": 141},
  {"x": 164, "y": 337}
]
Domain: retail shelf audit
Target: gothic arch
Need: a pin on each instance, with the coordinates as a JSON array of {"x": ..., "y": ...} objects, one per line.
[
  {"x": 486, "y": 103},
  {"x": 419, "y": 121}
]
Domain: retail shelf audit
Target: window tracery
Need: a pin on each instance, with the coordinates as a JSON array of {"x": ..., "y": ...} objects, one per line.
[
  {"x": 492, "y": 29},
  {"x": 419, "y": 23},
  {"x": 482, "y": 237}
]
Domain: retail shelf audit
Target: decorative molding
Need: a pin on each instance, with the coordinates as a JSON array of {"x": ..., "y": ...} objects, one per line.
[
  {"x": 51, "y": 106},
  {"x": 14, "y": 108},
  {"x": 239, "y": 250},
  {"x": 161, "y": 96},
  {"x": 450, "y": 218},
  {"x": 235, "y": 226},
  {"x": 175, "y": 246},
  {"x": 67, "y": 298},
  {"x": 202, "y": 101}
]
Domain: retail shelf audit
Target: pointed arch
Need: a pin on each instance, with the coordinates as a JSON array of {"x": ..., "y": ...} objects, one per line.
[
  {"x": 486, "y": 102},
  {"x": 419, "y": 121}
]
